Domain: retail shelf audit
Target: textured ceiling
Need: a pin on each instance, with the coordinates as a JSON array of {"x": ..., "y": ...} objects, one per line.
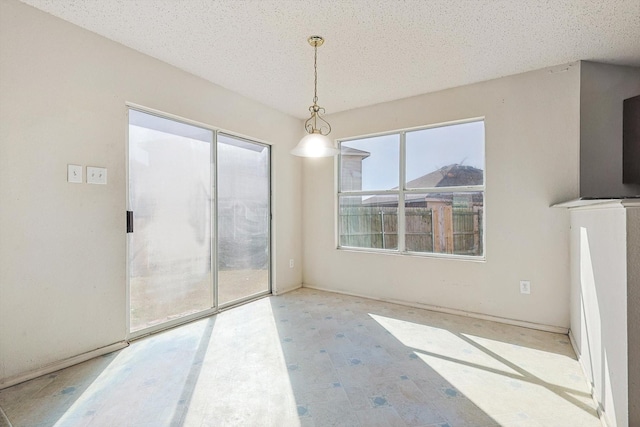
[{"x": 375, "y": 51}]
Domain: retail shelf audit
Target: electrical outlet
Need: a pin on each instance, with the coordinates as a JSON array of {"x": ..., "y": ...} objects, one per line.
[
  {"x": 525, "y": 287},
  {"x": 291, "y": 263}
]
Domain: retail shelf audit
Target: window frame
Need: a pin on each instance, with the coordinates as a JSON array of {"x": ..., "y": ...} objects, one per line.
[{"x": 403, "y": 190}]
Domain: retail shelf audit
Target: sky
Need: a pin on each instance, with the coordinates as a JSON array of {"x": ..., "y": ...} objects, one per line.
[{"x": 427, "y": 150}]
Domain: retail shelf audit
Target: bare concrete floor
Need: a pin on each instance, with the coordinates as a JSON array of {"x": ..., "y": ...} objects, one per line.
[{"x": 311, "y": 358}]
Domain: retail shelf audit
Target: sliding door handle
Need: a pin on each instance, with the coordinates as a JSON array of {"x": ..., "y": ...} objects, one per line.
[{"x": 129, "y": 221}]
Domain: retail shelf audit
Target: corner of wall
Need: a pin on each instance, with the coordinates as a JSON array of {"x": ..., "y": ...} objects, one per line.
[
  {"x": 603, "y": 87},
  {"x": 633, "y": 314}
]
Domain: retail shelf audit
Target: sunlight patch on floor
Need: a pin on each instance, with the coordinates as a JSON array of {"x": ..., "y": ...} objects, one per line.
[
  {"x": 244, "y": 364},
  {"x": 107, "y": 389},
  {"x": 508, "y": 381}
]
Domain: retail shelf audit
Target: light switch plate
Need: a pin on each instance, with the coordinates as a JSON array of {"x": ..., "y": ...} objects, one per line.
[
  {"x": 74, "y": 174},
  {"x": 96, "y": 175}
]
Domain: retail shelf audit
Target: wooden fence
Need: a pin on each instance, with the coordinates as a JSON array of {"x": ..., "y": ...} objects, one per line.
[{"x": 440, "y": 229}]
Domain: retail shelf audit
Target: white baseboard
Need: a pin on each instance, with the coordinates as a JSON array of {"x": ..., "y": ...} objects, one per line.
[
  {"x": 513, "y": 322},
  {"x": 277, "y": 291},
  {"x": 65, "y": 363},
  {"x": 575, "y": 349},
  {"x": 599, "y": 408}
]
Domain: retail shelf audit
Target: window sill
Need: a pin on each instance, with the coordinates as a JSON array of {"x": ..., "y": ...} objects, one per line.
[{"x": 481, "y": 259}]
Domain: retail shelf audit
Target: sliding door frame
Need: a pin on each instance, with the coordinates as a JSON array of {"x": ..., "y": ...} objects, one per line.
[
  {"x": 215, "y": 308},
  {"x": 269, "y": 259}
]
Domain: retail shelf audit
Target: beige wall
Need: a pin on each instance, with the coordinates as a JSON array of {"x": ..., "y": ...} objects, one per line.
[
  {"x": 603, "y": 88},
  {"x": 532, "y": 137},
  {"x": 62, "y": 246}
]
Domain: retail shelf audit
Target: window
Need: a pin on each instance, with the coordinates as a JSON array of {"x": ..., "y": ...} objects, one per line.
[{"x": 414, "y": 191}]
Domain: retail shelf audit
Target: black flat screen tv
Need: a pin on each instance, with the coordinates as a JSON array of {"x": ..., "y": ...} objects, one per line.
[{"x": 631, "y": 141}]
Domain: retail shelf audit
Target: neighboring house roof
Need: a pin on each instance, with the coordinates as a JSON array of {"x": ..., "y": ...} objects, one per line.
[
  {"x": 448, "y": 176},
  {"x": 348, "y": 151}
]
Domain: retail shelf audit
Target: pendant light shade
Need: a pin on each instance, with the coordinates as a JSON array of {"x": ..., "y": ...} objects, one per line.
[{"x": 316, "y": 143}]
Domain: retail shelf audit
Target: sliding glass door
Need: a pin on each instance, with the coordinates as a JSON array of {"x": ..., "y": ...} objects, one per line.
[
  {"x": 198, "y": 221},
  {"x": 243, "y": 219},
  {"x": 170, "y": 250}
]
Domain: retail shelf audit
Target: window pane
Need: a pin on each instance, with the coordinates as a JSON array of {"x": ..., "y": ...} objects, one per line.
[
  {"x": 446, "y": 156},
  {"x": 243, "y": 218},
  {"x": 369, "y": 221},
  {"x": 447, "y": 223},
  {"x": 370, "y": 164}
]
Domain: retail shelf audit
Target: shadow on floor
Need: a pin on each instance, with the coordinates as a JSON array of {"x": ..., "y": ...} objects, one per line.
[
  {"x": 354, "y": 361},
  {"x": 312, "y": 358},
  {"x": 149, "y": 382}
]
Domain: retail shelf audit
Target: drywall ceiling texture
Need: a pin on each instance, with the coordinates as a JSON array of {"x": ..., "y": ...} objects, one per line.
[
  {"x": 531, "y": 127},
  {"x": 62, "y": 246},
  {"x": 376, "y": 51}
]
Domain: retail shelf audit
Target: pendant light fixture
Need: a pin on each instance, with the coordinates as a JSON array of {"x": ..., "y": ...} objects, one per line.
[{"x": 316, "y": 143}]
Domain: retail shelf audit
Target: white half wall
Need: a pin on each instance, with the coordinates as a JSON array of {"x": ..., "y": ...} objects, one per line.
[
  {"x": 62, "y": 246},
  {"x": 605, "y": 250},
  {"x": 532, "y": 155}
]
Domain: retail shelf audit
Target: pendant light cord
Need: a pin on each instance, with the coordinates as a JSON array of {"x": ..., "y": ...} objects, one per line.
[
  {"x": 311, "y": 124},
  {"x": 315, "y": 72}
]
